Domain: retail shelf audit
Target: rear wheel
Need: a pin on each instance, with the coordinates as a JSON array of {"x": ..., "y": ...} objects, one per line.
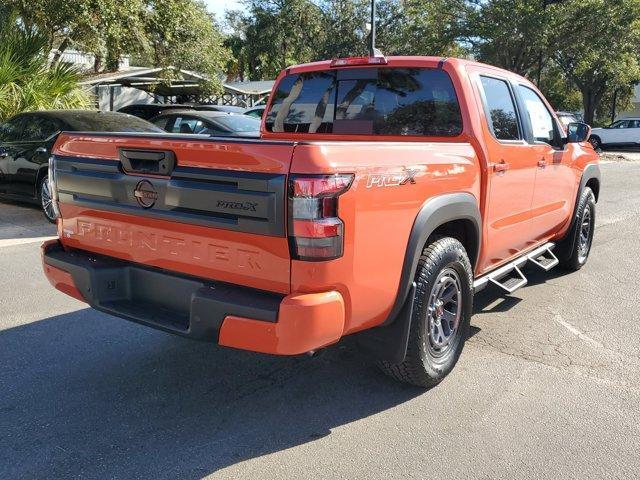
[
  {"x": 595, "y": 142},
  {"x": 441, "y": 313},
  {"x": 583, "y": 233},
  {"x": 46, "y": 201}
]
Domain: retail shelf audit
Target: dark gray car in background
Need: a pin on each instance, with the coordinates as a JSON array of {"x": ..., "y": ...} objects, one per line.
[
  {"x": 208, "y": 123},
  {"x": 26, "y": 141}
]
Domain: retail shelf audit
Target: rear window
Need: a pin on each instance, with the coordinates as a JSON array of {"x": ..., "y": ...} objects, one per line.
[
  {"x": 108, "y": 122},
  {"x": 365, "y": 101}
]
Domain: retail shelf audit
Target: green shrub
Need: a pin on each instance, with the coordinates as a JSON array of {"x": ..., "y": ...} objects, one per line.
[{"x": 27, "y": 81}]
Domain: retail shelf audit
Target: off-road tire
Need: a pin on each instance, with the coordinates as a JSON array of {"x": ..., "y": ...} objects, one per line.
[
  {"x": 575, "y": 258},
  {"x": 421, "y": 367},
  {"x": 595, "y": 142}
]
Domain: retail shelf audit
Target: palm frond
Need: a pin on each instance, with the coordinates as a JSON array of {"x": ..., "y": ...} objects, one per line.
[{"x": 27, "y": 82}]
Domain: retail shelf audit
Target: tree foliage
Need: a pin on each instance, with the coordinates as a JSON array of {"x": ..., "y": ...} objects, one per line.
[
  {"x": 416, "y": 27},
  {"x": 182, "y": 34},
  {"x": 276, "y": 33},
  {"x": 344, "y": 28},
  {"x": 585, "y": 49},
  {"x": 179, "y": 33},
  {"x": 590, "y": 48},
  {"x": 598, "y": 48},
  {"x": 27, "y": 82},
  {"x": 510, "y": 34},
  {"x": 270, "y": 35}
]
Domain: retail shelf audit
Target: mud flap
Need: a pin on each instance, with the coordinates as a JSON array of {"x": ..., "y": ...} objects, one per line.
[{"x": 390, "y": 343}]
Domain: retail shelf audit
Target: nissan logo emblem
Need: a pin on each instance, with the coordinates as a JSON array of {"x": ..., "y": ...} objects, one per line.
[{"x": 145, "y": 194}]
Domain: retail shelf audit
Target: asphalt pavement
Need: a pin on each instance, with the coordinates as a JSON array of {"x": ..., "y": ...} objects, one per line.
[{"x": 548, "y": 385}]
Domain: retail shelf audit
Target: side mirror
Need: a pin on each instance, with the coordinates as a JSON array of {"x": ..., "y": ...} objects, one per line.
[{"x": 578, "y": 132}]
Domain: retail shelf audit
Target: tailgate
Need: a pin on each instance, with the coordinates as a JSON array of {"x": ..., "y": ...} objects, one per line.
[{"x": 211, "y": 208}]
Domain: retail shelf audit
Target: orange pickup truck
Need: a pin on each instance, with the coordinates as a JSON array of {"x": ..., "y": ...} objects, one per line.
[{"x": 382, "y": 194}]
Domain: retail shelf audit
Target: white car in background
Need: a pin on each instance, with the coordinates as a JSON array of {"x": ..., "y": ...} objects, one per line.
[{"x": 621, "y": 133}]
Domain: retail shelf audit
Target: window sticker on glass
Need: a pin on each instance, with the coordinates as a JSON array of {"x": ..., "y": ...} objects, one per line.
[
  {"x": 540, "y": 119},
  {"x": 542, "y": 125}
]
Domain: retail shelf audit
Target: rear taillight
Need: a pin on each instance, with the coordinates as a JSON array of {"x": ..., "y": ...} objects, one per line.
[
  {"x": 53, "y": 186},
  {"x": 316, "y": 232}
]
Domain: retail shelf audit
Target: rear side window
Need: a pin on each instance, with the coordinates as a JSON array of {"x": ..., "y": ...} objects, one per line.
[
  {"x": 502, "y": 116},
  {"x": 239, "y": 123},
  {"x": 11, "y": 131},
  {"x": 162, "y": 122},
  {"x": 188, "y": 125},
  {"x": 107, "y": 122},
  {"x": 39, "y": 128},
  {"x": 380, "y": 101}
]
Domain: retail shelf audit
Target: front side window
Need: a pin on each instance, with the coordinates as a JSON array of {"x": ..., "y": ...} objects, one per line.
[
  {"x": 502, "y": 116},
  {"x": 541, "y": 119},
  {"x": 620, "y": 124},
  {"x": 366, "y": 101}
]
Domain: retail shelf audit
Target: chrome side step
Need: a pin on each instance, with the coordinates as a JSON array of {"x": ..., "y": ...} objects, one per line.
[{"x": 510, "y": 278}]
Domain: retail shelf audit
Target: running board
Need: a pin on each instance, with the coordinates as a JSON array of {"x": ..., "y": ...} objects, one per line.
[
  {"x": 544, "y": 258},
  {"x": 510, "y": 278},
  {"x": 514, "y": 280}
]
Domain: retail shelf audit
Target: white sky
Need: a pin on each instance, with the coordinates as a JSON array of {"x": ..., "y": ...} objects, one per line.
[{"x": 220, "y": 6}]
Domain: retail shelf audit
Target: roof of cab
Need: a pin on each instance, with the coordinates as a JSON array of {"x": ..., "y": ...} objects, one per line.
[{"x": 405, "y": 61}]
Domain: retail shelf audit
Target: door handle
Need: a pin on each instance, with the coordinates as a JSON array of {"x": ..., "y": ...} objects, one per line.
[
  {"x": 500, "y": 167},
  {"x": 542, "y": 163}
]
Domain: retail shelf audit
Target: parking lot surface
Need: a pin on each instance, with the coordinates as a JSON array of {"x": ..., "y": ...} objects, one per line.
[{"x": 548, "y": 385}]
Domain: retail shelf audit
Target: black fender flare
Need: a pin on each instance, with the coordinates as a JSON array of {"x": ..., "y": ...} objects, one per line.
[
  {"x": 389, "y": 340},
  {"x": 565, "y": 245},
  {"x": 434, "y": 213}
]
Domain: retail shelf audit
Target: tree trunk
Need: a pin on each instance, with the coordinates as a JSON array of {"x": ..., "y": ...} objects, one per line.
[
  {"x": 284, "y": 54},
  {"x": 113, "y": 62},
  {"x": 97, "y": 63},
  {"x": 59, "y": 51},
  {"x": 591, "y": 99},
  {"x": 589, "y": 106}
]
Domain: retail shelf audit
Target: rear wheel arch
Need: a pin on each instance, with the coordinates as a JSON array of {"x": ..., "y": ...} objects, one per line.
[
  {"x": 452, "y": 214},
  {"x": 449, "y": 215},
  {"x": 463, "y": 230}
]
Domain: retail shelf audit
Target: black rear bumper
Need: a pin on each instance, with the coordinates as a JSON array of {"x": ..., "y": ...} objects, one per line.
[{"x": 186, "y": 306}]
